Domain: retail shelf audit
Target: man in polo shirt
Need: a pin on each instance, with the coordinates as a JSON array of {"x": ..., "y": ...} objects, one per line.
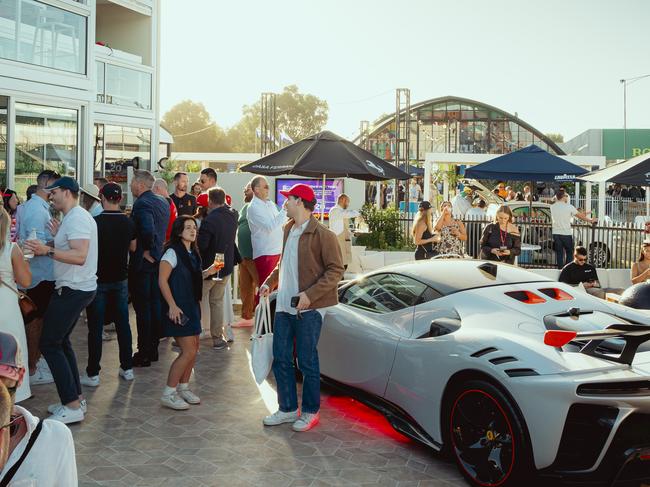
[
  {"x": 75, "y": 273},
  {"x": 315, "y": 283},
  {"x": 185, "y": 202},
  {"x": 265, "y": 222}
]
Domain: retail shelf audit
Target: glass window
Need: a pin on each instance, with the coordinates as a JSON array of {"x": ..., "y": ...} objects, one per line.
[
  {"x": 127, "y": 87},
  {"x": 3, "y": 141},
  {"x": 101, "y": 82},
  {"x": 119, "y": 147},
  {"x": 384, "y": 293},
  {"x": 35, "y": 33},
  {"x": 46, "y": 138}
]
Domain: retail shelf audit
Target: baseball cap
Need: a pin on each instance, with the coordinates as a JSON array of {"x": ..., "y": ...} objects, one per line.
[
  {"x": 302, "y": 191},
  {"x": 424, "y": 205},
  {"x": 66, "y": 182},
  {"x": 202, "y": 200},
  {"x": 11, "y": 364},
  {"x": 111, "y": 191},
  {"x": 91, "y": 190}
]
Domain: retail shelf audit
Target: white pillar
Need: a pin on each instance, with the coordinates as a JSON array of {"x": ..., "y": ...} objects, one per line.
[
  {"x": 445, "y": 186},
  {"x": 588, "y": 198},
  {"x": 601, "y": 201},
  {"x": 647, "y": 201},
  {"x": 378, "y": 196},
  {"x": 577, "y": 202},
  {"x": 427, "y": 182}
]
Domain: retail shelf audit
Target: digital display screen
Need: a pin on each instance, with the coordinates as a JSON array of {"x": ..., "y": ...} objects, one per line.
[{"x": 333, "y": 189}]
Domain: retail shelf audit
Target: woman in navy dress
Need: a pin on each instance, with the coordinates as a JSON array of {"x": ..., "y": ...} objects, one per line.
[{"x": 181, "y": 282}]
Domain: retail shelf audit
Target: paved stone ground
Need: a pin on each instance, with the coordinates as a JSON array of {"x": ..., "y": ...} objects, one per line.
[{"x": 128, "y": 439}]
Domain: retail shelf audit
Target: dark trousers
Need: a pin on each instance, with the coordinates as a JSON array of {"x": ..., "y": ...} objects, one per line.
[
  {"x": 563, "y": 249},
  {"x": 60, "y": 319},
  {"x": 116, "y": 293},
  {"x": 145, "y": 294},
  {"x": 306, "y": 332}
]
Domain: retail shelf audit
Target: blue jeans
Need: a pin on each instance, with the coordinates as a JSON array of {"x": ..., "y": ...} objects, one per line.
[
  {"x": 117, "y": 294},
  {"x": 306, "y": 331},
  {"x": 563, "y": 249},
  {"x": 60, "y": 319},
  {"x": 145, "y": 294}
]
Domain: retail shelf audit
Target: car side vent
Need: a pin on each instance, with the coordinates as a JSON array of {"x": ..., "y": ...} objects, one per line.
[
  {"x": 632, "y": 388},
  {"x": 526, "y": 297},
  {"x": 520, "y": 372},
  {"x": 484, "y": 351},
  {"x": 503, "y": 360},
  {"x": 556, "y": 294}
]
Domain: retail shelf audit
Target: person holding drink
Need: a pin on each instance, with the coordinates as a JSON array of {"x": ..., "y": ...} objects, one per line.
[
  {"x": 452, "y": 232},
  {"x": 181, "y": 283},
  {"x": 501, "y": 240}
]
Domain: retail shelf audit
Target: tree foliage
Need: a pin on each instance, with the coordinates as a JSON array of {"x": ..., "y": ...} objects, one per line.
[
  {"x": 557, "y": 138},
  {"x": 193, "y": 130}
]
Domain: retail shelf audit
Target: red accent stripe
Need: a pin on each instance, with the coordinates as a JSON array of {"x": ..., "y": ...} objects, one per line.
[
  {"x": 526, "y": 297},
  {"x": 558, "y": 338}
]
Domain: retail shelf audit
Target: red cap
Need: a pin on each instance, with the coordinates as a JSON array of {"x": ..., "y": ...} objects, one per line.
[
  {"x": 228, "y": 200},
  {"x": 302, "y": 191},
  {"x": 202, "y": 200}
]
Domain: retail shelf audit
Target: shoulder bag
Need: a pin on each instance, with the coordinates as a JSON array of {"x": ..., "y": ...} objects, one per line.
[
  {"x": 27, "y": 306},
  {"x": 262, "y": 341}
]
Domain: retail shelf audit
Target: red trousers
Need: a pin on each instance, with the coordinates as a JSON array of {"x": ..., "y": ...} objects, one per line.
[{"x": 265, "y": 265}]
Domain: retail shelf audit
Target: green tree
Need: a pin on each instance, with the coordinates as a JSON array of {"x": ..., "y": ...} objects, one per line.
[
  {"x": 298, "y": 115},
  {"x": 193, "y": 130},
  {"x": 557, "y": 138}
]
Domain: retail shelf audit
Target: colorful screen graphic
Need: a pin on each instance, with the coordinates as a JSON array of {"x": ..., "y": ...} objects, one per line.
[{"x": 333, "y": 188}]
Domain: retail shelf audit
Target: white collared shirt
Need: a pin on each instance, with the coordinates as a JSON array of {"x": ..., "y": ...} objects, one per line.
[
  {"x": 265, "y": 222},
  {"x": 337, "y": 216},
  {"x": 51, "y": 461},
  {"x": 288, "y": 284}
]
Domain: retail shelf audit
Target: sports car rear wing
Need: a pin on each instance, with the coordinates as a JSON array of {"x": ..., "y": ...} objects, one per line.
[{"x": 633, "y": 336}]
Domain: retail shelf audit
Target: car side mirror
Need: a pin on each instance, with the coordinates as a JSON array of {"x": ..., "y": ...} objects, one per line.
[{"x": 443, "y": 326}]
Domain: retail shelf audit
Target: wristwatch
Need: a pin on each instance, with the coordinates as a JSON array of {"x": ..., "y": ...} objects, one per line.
[{"x": 50, "y": 253}]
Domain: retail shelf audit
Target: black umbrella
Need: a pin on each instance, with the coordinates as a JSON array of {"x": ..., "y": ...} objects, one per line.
[{"x": 325, "y": 153}]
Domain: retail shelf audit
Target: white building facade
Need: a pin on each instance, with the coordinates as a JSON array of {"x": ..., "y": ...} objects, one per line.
[{"x": 79, "y": 88}]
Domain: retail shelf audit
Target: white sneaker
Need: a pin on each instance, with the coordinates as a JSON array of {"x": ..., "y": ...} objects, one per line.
[
  {"x": 106, "y": 336},
  {"x": 205, "y": 334},
  {"x": 219, "y": 344},
  {"x": 67, "y": 415},
  {"x": 53, "y": 407},
  {"x": 189, "y": 396},
  {"x": 230, "y": 336},
  {"x": 306, "y": 421},
  {"x": 41, "y": 376},
  {"x": 172, "y": 401},
  {"x": 126, "y": 374},
  {"x": 280, "y": 417},
  {"x": 92, "y": 381}
]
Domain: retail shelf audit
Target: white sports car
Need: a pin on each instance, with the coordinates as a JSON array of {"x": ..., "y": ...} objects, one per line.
[{"x": 513, "y": 374}]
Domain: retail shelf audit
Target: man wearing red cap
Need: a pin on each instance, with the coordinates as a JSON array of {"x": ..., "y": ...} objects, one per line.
[{"x": 309, "y": 273}]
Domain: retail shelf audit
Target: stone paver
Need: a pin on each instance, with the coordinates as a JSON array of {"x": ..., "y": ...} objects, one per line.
[{"x": 128, "y": 439}]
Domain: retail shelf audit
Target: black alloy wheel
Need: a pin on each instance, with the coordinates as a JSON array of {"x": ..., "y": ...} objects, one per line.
[{"x": 487, "y": 439}]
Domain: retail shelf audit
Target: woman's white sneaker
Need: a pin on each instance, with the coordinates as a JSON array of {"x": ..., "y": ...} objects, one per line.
[
  {"x": 280, "y": 417},
  {"x": 53, "y": 407},
  {"x": 306, "y": 421},
  {"x": 172, "y": 401},
  {"x": 92, "y": 381},
  {"x": 189, "y": 397},
  {"x": 67, "y": 415}
]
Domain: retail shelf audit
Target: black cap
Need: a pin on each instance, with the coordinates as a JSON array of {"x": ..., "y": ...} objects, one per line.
[
  {"x": 111, "y": 191},
  {"x": 424, "y": 205},
  {"x": 66, "y": 182}
]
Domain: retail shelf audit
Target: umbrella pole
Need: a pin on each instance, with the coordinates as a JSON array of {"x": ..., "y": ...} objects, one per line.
[{"x": 322, "y": 208}]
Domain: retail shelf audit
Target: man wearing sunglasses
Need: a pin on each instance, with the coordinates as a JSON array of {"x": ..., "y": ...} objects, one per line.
[
  {"x": 30, "y": 449},
  {"x": 581, "y": 272}
]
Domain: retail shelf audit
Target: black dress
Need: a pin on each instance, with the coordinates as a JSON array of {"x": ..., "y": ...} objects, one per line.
[
  {"x": 425, "y": 251},
  {"x": 494, "y": 238}
]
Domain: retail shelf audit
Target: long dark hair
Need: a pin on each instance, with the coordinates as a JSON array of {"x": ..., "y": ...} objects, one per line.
[
  {"x": 177, "y": 229},
  {"x": 6, "y": 196}
]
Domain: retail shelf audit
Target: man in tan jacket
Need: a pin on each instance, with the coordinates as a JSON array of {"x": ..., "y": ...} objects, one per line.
[{"x": 308, "y": 275}]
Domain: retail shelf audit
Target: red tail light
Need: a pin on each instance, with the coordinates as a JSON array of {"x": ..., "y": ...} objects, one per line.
[
  {"x": 557, "y": 294},
  {"x": 558, "y": 338},
  {"x": 526, "y": 297}
]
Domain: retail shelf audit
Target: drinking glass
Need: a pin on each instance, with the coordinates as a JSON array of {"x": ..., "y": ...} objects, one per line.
[{"x": 218, "y": 263}]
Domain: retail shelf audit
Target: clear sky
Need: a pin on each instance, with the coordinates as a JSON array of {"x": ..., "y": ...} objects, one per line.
[{"x": 557, "y": 63}]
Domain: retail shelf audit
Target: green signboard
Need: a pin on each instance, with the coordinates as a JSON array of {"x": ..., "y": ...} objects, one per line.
[{"x": 638, "y": 142}]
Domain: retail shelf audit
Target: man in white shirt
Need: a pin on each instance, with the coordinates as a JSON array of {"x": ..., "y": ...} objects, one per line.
[
  {"x": 50, "y": 460},
  {"x": 265, "y": 222},
  {"x": 340, "y": 225},
  {"x": 561, "y": 214},
  {"x": 75, "y": 275},
  {"x": 461, "y": 204}
]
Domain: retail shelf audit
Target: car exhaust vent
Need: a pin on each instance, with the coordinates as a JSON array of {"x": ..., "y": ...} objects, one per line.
[
  {"x": 520, "y": 372},
  {"x": 556, "y": 294},
  {"x": 485, "y": 351},
  {"x": 503, "y": 360},
  {"x": 526, "y": 297},
  {"x": 632, "y": 388}
]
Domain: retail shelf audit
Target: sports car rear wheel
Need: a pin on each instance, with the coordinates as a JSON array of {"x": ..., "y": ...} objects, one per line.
[{"x": 487, "y": 439}]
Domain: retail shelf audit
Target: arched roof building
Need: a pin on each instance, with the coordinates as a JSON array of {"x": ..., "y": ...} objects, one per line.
[{"x": 451, "y": 124}]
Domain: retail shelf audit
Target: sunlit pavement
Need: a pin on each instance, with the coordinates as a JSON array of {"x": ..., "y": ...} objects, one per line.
[{"x": 128, "y": 439}]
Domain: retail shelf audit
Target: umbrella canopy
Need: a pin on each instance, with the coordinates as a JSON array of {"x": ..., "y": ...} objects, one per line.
[
  {"x": 325, "y": 153},
  {"x": 413, "y": 170},
  {"x": 635, "y": 172},
  {"x": 528, "y": 164}
]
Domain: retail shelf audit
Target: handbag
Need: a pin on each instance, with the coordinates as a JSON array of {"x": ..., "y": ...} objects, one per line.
[
  {"x": 262, "y": 341},
  {"x": 27, "y": 306}
]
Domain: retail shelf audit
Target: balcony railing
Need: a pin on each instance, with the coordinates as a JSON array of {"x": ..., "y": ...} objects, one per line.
[{"x": 124, "y": 86}]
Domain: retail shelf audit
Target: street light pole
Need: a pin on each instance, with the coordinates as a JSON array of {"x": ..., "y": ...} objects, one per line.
[{"x": 626, "y": 82}]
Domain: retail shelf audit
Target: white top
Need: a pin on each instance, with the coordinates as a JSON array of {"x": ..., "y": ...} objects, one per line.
[
  {"x": 460, "y": 205},
  {"x": 51, "y": 461},
  {"x": 562, "y": 213},
  {"x": 337, "y": 215},
  {"x": 414, "y": 192},
  {"x": 170, "y": 257},
  {"x": 475, "y": 213},
  {"x": 77, "y": 225},
  {"x": 265, "y": 222}
]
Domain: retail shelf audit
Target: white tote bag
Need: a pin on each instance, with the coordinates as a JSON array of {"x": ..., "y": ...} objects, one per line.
[{"x": 262, "y": 341}]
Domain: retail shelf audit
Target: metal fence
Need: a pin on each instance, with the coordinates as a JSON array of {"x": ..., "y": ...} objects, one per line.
[{"x": 617, "y": 209}]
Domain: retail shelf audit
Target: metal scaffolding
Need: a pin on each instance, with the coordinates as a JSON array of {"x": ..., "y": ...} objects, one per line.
[
  {"x": 364, "y": 132},
  {"x": 268, "y": 119},
  {"x": 402, "y": 139}
]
